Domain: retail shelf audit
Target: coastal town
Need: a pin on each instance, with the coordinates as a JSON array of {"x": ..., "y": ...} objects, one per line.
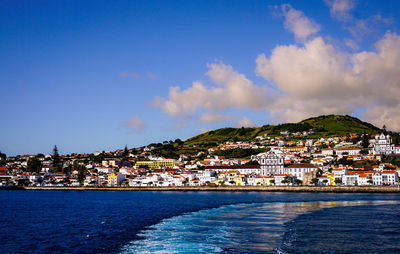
[{"x": 351, "y": 160}]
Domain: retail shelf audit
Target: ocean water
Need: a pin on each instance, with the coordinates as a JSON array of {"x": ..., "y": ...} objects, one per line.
[{"x": 198, "y": 222}]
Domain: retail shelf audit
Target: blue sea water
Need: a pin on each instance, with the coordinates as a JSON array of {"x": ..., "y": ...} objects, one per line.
[{"x": 193, "y": 222}]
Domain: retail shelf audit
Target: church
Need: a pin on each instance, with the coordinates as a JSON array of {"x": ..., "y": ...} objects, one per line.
[
  {"x": 382, "y": 144},
  {"x": 271, "y": 163}
]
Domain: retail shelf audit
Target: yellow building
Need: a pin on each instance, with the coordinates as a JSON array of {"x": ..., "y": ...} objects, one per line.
[
  {"x": 264, "y": 181},
  {"x": 240, "y": 180},
  {"x": 227, "y": 177},
  {"x": 115, "y": 179},
  {"x": 167, "y": 163},
  {"x": 308, "y": 176},
  {"x": 331, "y": 178},
  {"x": 295, "y": 149}
]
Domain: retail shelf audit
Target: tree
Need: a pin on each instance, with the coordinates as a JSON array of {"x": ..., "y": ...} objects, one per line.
[
  {"x": 364, "y": 151},
  {"x": 338, "y": 181},
  {"x": 314, "y": 181},
  {"x": 3, "y": 156},
  {"x": 287, "y": 179},
  {"x": 325, "y": 181},
  {"x": 56, "y": 158},
  {"x": 298, "y": 182},
  {"x": 34, "y": 165},
  {"x": 178, "y": 141},
  {"x": 365, "y": 140},
  {"x": 81, "y": 176},
  {"x": 370, "y": 181},
  {"x": 125, "y": 154},
  {"x": 252, "y": 163},
  {"x": 23, "y": 182}
]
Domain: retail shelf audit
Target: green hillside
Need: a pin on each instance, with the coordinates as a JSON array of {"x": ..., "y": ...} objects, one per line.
[
  {"x": 340, "y": 125},
  {"x": 332, "y": 125}
]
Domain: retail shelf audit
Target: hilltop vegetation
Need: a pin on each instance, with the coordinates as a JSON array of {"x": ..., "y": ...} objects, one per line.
[
  {"x": 340, "y": 125},
  {"x": 333, "y": 125}
]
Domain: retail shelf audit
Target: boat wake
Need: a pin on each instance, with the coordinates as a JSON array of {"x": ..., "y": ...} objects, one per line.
[{"x": 248, "y": 228}]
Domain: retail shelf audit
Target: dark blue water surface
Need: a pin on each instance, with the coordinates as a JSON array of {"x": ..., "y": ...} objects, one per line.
[{"x": 187, "y": 222}]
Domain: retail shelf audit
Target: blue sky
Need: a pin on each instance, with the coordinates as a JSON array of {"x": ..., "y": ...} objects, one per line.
[{"x": 97, "y": 75}]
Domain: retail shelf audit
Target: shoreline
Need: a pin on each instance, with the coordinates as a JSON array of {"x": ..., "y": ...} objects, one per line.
[{"x": 328, "y": 189}]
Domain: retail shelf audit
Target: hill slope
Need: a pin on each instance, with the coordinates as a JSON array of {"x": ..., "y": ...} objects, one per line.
[{"x": 333, "y": 125}]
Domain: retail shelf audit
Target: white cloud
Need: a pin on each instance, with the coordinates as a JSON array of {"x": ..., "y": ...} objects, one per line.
[
  {"x": 134, "y": 124},
  {"x": 296, "y": 22},
  {"x": 358, "y": 27},
  {"x": 214, "y": 118},
  {"x": 351, "y": 44},
  {"x": 233, "y": 90},
  {"x": 318, "y": 79},
  {"x": 245, "y": 122},
  {"x": 305, "y": 80},
  {"x": 341, "y": 9}
]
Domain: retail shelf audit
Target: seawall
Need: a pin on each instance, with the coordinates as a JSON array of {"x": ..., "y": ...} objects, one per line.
[{"x": 331, "y": 189}]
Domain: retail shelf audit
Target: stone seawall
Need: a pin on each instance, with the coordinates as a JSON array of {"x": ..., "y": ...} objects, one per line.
[{"x": 336, "y": 189}]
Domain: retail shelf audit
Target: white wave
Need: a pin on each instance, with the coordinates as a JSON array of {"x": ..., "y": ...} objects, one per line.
[{"x": 256, "y": 227}]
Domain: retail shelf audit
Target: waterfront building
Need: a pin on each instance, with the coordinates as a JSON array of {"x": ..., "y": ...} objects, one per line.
[
  {"x": 389, "y": 177},
  {"x": 115, "y": 179},
  {"x": 278, "y": 179},
  {"x": 298, "y": 170},
  {"x": 264, "y": 181},
  {"x": 271, "y": 163},
  {"x": 243, "y": 169}
]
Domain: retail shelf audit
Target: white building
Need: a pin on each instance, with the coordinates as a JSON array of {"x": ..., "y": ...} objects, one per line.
[
  {"x": 348, "y": 151},
  {"x": 389, "y": 177},
  {"x": 243, "y": 169},
  {"x": 104, "y": 170},
  {"x": 299, "y": 169},
  {"x": 383, "y": 145},
  {"x": 350, "y": 180},
  {"x": 271, "y": 163},
  {"x": 327, "y": 151}
]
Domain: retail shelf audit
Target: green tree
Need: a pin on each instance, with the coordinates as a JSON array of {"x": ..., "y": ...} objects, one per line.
[
  {"x": 338, "y": 180},
  {"x": 34, "y": 165},
  {"x": 314, "y": 181},
  {"x": 252, "y": 163},
  {"x": 365, "y": 140},
  {"x": 298, "y": 182},
  {"x": 125, "y": 154},
  {"x": 3, "y": 156},
  {"x": 81, "y": 176},
  {"x": 56, "y": 159},
  {"x": 287, "y": 179}
]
